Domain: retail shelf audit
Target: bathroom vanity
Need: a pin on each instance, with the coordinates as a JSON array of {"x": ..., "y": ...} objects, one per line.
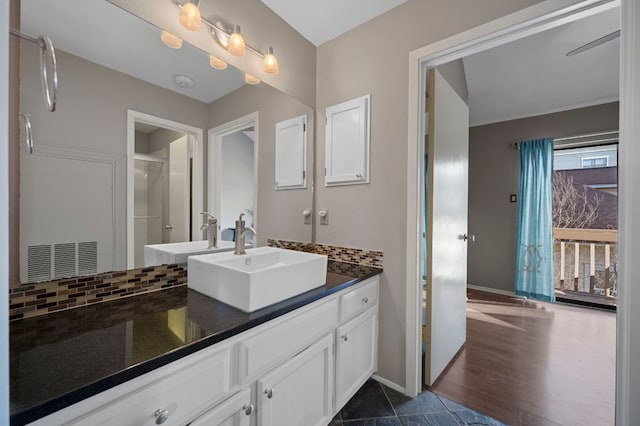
[{"x": 178, "y": 357}]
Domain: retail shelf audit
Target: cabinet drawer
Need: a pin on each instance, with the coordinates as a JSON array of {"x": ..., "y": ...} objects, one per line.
[
  {"x": 184, "y": 389},
  {"x": 235, "y": 411},
  {"x": 272, "y": 343},
  {"x": 359, "y": 300}
]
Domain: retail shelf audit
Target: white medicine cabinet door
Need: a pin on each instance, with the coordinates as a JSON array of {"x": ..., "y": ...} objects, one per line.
[
  {"x": 347, "y": 142},
  {"x": 291, "y": 153},
  {"x": 300, "y": 392}
]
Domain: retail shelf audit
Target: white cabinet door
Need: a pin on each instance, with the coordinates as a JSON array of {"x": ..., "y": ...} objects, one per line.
[
  {"x": 300, "y": 392},
  {"x": 347, "y": 142},
  {"x": 291, "y": 153},
  {"x": 356, "y": 354},
  {"x": 235, "y": 411}
]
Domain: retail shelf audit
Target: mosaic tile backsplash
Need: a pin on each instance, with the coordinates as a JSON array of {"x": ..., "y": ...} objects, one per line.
[
  {"x": 42, "y": 298},
  {"x": 341, "y": 254}
]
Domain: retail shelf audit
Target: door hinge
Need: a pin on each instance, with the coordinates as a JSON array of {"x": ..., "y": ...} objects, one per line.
[
  {"x": 325, "y": 171},
  {"x": 304, "y": 174},
  {"x": 304, "y": 127}
]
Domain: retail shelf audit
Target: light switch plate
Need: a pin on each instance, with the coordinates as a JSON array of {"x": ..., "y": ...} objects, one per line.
[
  {"x": 513, "y": 198},
  {"x": 324, "y": 217}
]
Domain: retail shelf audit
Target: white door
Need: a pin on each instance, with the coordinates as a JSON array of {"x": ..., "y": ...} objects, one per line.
[
  {"x": 235, "y": 411},
  {"x": 300, "y": 392},
  {"x": 356, "y": 355},
  {"x": 179, "y": 191},
  {"x": 448, "y": 152}
]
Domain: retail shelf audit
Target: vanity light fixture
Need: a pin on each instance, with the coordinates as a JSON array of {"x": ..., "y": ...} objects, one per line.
[
  {"x": 236, "y": 44},
  {"x": 250, "y": 79},
  {"x": 171, "y": 40},
  {"x": 228, "y": 39},
  {"x": 270, "y": 62},
  {"x": 217, "y": 63},
  {"x": 190, "y": 15}
]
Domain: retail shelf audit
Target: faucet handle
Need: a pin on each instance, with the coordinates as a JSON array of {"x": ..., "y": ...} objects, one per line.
[{"x": 240, "y": 218}]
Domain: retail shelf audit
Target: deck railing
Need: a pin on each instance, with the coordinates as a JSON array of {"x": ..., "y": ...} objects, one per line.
[{"x": 585, "y": 261}]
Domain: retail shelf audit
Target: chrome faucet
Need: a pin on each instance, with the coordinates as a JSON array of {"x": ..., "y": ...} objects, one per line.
[
  {"x": 211, "y": 226},
  {"x": 240, "y": 231}
]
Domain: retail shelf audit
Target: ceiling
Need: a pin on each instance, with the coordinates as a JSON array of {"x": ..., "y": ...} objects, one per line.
[
  {"x": 321, "y": 21},
  {"x": 134, "y": 49},
  {"x": 528, "y": 77},
  {"x": 532, "y": 76}
]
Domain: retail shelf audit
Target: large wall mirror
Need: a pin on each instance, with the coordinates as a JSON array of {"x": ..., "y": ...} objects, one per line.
[{"x": 128, "y": 154}]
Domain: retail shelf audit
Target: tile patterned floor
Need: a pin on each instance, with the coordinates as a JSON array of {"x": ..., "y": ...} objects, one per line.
[{"x": 377, "y": 405}]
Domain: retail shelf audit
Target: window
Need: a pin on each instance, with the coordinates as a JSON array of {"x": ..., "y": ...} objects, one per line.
[{"x": 591, "y": 162}]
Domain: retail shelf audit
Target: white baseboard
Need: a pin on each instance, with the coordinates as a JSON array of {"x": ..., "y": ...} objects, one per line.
[
  {"x": 389, "y": 383},
  {"x": 492, "y": 290}
]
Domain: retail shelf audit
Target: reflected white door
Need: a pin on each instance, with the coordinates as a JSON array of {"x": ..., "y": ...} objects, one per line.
[
  {"x": 179, "y": 191},
  {"x": 448, "y": 152}
]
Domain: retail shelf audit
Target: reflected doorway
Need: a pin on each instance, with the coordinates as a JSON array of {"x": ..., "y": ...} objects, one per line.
[
  {"x": 164, "y": 185},
  {"x": 162, "y": 188},
  {"x": 232, "y": 173}
]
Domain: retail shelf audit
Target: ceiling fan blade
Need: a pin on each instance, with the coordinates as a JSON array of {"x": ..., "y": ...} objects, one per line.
[{"x": 614, "y": 35}]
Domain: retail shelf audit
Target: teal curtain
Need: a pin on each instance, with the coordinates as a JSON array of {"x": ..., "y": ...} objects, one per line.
[{"x": 534, "y": 264}]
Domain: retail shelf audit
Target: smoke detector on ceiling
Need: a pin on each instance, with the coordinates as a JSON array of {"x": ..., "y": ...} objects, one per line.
[{"x": 184, "y": 81}]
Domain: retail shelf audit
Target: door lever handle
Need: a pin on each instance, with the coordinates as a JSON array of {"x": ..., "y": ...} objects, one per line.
[{"x": 469, "y": 237}]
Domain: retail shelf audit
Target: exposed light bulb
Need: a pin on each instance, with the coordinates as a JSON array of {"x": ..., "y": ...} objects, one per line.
[
  {"x": 190, "y": 16},
  {"x": 171, "y": 40},
  {"x": 270, "y": 62},
  {"x": 217, "y": 63},
  {"x": 249, "y": 79},
  {"x": 236, "y": 44}
]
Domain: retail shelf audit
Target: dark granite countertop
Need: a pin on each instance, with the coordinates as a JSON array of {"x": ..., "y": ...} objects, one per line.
[{"x": 62, "y": 358}]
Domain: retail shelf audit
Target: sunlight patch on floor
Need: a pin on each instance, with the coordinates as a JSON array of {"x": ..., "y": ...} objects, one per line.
[{"x": 481, "y": 316}]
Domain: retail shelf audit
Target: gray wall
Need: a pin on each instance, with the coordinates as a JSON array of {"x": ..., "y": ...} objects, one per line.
[
  {"x": 278, "y": 213},
  {"x": 374, "y": 215},
  {"x": 494, "y": 174},
  {"x": 94, "y": 100},
  {"x": 160, "y": 139},
  {"x": 455, "y": 75},
  {"x": 142, "y": 142}
]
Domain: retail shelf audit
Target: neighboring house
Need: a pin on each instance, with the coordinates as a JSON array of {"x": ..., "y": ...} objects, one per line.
[
  {"x": 584, "y": 158},
  {"x": 603, "y": 183}
]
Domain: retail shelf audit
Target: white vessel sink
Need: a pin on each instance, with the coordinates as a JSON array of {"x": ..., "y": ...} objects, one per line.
[
  {"x": 260, "y": 278},
  {"x": 161, "y": 254}
]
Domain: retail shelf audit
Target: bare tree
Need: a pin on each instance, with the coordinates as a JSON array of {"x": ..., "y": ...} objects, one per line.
[{"x": 572, "y": 208}]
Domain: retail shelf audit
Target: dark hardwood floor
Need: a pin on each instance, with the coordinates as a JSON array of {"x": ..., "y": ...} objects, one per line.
[{"x": 534, "y": 363}]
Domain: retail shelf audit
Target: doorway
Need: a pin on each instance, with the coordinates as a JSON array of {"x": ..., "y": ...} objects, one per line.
[
  {"x": 530, "y": 21},
  {"x": 164, "y": 184},
  {"x": 232, "y": 173}
]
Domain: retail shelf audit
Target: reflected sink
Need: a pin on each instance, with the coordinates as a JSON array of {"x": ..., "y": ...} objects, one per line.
[
  {"x": 161, "y": 254},
  {"x": 262, "y": 277}
]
